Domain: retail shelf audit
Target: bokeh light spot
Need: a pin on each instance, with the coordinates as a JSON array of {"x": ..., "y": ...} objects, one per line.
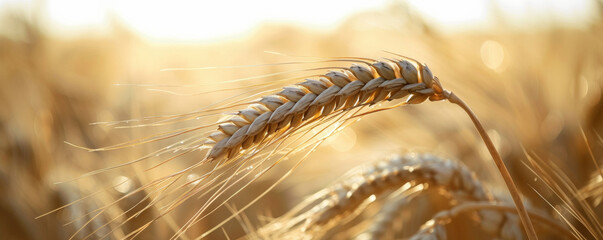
[
  {"x": 122, "y": 184},
  {"x": 493, "y": 55}
]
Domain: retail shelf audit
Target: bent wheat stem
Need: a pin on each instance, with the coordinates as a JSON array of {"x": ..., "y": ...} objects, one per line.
[{"x": 521, "y": 209}]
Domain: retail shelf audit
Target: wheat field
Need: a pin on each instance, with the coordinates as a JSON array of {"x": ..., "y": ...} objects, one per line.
[{"x": 296, "y": 133}]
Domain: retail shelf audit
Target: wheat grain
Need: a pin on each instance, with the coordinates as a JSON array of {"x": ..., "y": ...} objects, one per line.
[{"x": 342, "y": 200}]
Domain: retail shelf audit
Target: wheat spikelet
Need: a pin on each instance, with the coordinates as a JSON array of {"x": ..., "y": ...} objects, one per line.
[{"x": 333, "y": 205}]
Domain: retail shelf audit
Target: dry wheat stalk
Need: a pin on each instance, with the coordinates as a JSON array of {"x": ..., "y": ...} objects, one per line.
[
  {"x": 521, "y": 209},
  {"x": 334, "y": 204}
]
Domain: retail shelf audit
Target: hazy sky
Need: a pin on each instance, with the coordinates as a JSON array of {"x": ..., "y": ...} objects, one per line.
[{"x": 212, "y": 20}]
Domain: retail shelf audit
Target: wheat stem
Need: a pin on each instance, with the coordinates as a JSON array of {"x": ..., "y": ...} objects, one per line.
[{"x": 521, "y": 209}]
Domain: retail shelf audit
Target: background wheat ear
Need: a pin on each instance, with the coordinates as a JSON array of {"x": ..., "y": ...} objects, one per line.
[
  {"x": 411, "y": 173},
  {"x": 398, "y": 181}
]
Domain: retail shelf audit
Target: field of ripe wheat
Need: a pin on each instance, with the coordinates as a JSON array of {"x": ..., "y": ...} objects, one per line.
[{"x": 294, "y": 132}]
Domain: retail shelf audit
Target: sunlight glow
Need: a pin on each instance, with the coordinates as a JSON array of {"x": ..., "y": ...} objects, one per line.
[
  {"x": 493, "y": 55},
  {"x": 463, "y": 14},
  {"x": 453, "y": 13},
  {"x": 181, "y": 20},
  {"x": 204, "y": 20}
]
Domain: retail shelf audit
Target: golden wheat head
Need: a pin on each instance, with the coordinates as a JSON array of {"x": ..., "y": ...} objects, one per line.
[{"x": 314, "y": 99}]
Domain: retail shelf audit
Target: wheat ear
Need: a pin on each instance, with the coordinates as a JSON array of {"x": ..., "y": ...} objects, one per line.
[
  {"x": 345, "y": 198},
  {"x": 314, "y": 99}
]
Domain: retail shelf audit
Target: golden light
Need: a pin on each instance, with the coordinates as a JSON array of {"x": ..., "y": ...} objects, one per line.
[{"x": 181, "y": 20}]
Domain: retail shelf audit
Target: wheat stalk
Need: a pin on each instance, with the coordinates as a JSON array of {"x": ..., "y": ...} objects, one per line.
[
  {"x": 332, "y": 205},
  {"x": 521, "y": 209}
]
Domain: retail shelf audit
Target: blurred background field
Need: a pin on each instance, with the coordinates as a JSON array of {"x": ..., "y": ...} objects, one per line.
[{"x": 532, "y": 71}]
